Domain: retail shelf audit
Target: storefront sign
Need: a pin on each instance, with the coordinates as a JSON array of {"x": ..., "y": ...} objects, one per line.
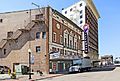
[{"x": 54, "y": 55}]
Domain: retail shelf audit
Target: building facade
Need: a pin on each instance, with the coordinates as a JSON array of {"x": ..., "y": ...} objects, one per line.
[
  {"x": 53, "y": 39},
  {"x": 106, "y": 60},
  {"x": 20, "y": 31},
  {"x": 65, "y": 43},
  {"x": 84, "y": 13}
]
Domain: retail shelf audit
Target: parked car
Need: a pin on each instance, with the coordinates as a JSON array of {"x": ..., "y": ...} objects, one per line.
[
  {"x": 4, "y": 69},
  {"x": 117, "y": 61},
  {"x": 1, "y": 69}
]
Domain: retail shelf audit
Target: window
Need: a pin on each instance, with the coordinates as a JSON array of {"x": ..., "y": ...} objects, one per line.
[
  {"x": 65, "y": 12},
  {"x": 65, "y": 42},
  {"x": 62, "y": 21},
  {"x": 37, "y": 49},
  {"x": 4, "y": 51},
  {"x": 65, "y": 52},
  {"x": 53, "y": 49},
  {"x": 58, "y": 49},
  {"x": 1, "y": 20},
  {"x": 61, "y": 39},
  {"x": 38, "y": 35},
  {"x": 61, "y": 51},
  {"x": 81, "y": 12},
  {"x": 43, "y": 35},
  {"x": 57, "y": 17},
  {"x": 75, "y": 45},
  {"x": 54, "y": 37},
  {"x": 81, "y": 22},
  {"x": 70, "y": 43},
  {"x": 39, "y": 16},
  {"x": 81, "y": 16},
  {"x": 80, "y": 4},
  {"x": 71, "y": 9},
  {"x": 79, "y": 37}
]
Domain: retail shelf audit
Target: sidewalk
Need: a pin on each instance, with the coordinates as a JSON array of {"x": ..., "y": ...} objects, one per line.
[{"x": 34, "y": 77}]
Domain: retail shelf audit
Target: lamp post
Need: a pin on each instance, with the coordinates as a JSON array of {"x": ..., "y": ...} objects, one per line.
[
  {"x": 29, "y": 51},
  {"x": 36, "y": 6}
]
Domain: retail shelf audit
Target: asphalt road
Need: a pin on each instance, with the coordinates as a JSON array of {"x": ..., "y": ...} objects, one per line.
[{"x": 105, "y": 75}]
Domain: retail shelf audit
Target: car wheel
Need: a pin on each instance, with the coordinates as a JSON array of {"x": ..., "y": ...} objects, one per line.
[{"x": 79, "y": 70}]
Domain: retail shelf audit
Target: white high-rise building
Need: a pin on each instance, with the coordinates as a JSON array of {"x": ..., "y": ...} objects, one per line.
[
  {"x": 76, "y": 13},
  {"x": 81, "y": 13}
]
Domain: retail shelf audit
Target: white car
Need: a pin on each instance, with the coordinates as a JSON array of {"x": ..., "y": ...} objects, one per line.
[{"x": 75, "y": 68}]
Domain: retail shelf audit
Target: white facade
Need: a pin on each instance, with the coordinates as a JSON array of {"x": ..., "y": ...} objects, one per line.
[{"x": 76, "y": 13}]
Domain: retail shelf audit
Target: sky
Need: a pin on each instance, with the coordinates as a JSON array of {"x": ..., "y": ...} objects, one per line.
[{"x": 109, "y": 10}]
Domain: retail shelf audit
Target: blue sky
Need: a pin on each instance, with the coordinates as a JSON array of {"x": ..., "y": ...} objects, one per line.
[{"x": 108, "y": 23}]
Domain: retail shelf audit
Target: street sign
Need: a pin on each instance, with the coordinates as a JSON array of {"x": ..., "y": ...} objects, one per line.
[{"x": 32, "y": 59}]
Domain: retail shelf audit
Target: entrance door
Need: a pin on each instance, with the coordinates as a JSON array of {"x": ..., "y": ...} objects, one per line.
[
  {"x": 60, "y": 67},
  {"x": 14, "y": 64}
]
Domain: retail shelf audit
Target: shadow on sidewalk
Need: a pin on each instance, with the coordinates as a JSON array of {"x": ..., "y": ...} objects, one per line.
[{"x": 100, "y": 69}]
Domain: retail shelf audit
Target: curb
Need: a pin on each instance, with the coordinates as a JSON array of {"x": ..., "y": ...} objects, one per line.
[{"x": 48, "y": 77}]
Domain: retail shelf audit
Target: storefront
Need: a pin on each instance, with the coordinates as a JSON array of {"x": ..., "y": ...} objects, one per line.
[{"x": 59, "y": 65}]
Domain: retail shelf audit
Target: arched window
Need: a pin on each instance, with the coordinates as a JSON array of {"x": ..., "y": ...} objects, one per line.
[
  {"x": 66, "y": 38},
  {"x": 38, "y": 35}
]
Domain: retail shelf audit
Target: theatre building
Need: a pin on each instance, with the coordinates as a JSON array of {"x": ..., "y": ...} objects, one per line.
[{"x": 53, "y": 40}]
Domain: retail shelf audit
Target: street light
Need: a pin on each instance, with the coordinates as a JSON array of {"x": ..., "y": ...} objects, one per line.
[
  {"x": 29, "y": 51},
  {"x": 36, "y": 6}
]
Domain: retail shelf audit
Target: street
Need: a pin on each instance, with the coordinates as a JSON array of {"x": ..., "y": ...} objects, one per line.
[{"x": 113, "y": 75}]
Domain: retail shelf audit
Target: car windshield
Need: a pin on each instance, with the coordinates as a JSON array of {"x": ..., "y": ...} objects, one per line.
[
  {"x": 116, "y": 62},
  {"x": 76, "y": 64}
]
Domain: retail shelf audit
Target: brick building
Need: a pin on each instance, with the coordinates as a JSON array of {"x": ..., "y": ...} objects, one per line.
[{"x": 53, "y": 39}]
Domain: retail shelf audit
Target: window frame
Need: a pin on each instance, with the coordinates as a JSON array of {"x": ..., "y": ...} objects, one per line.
[
  {"x": 65, "y": 12},
  {"x": 4, "y": 51},
  {"x": 44, "y": 35},
  {"x": 81, "y": 22},
  {"x": 80, "y": 4},
  {"x": 61, "y": 39},
  {"x": 54, "y": 36},
  {"x": 71, "y": 9},
  {"x": 81, "y": 11},
  {"x": 38, "y": 49},
  {"x": 81, "y": 16},
  {"x": 38, "y": 35}
]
